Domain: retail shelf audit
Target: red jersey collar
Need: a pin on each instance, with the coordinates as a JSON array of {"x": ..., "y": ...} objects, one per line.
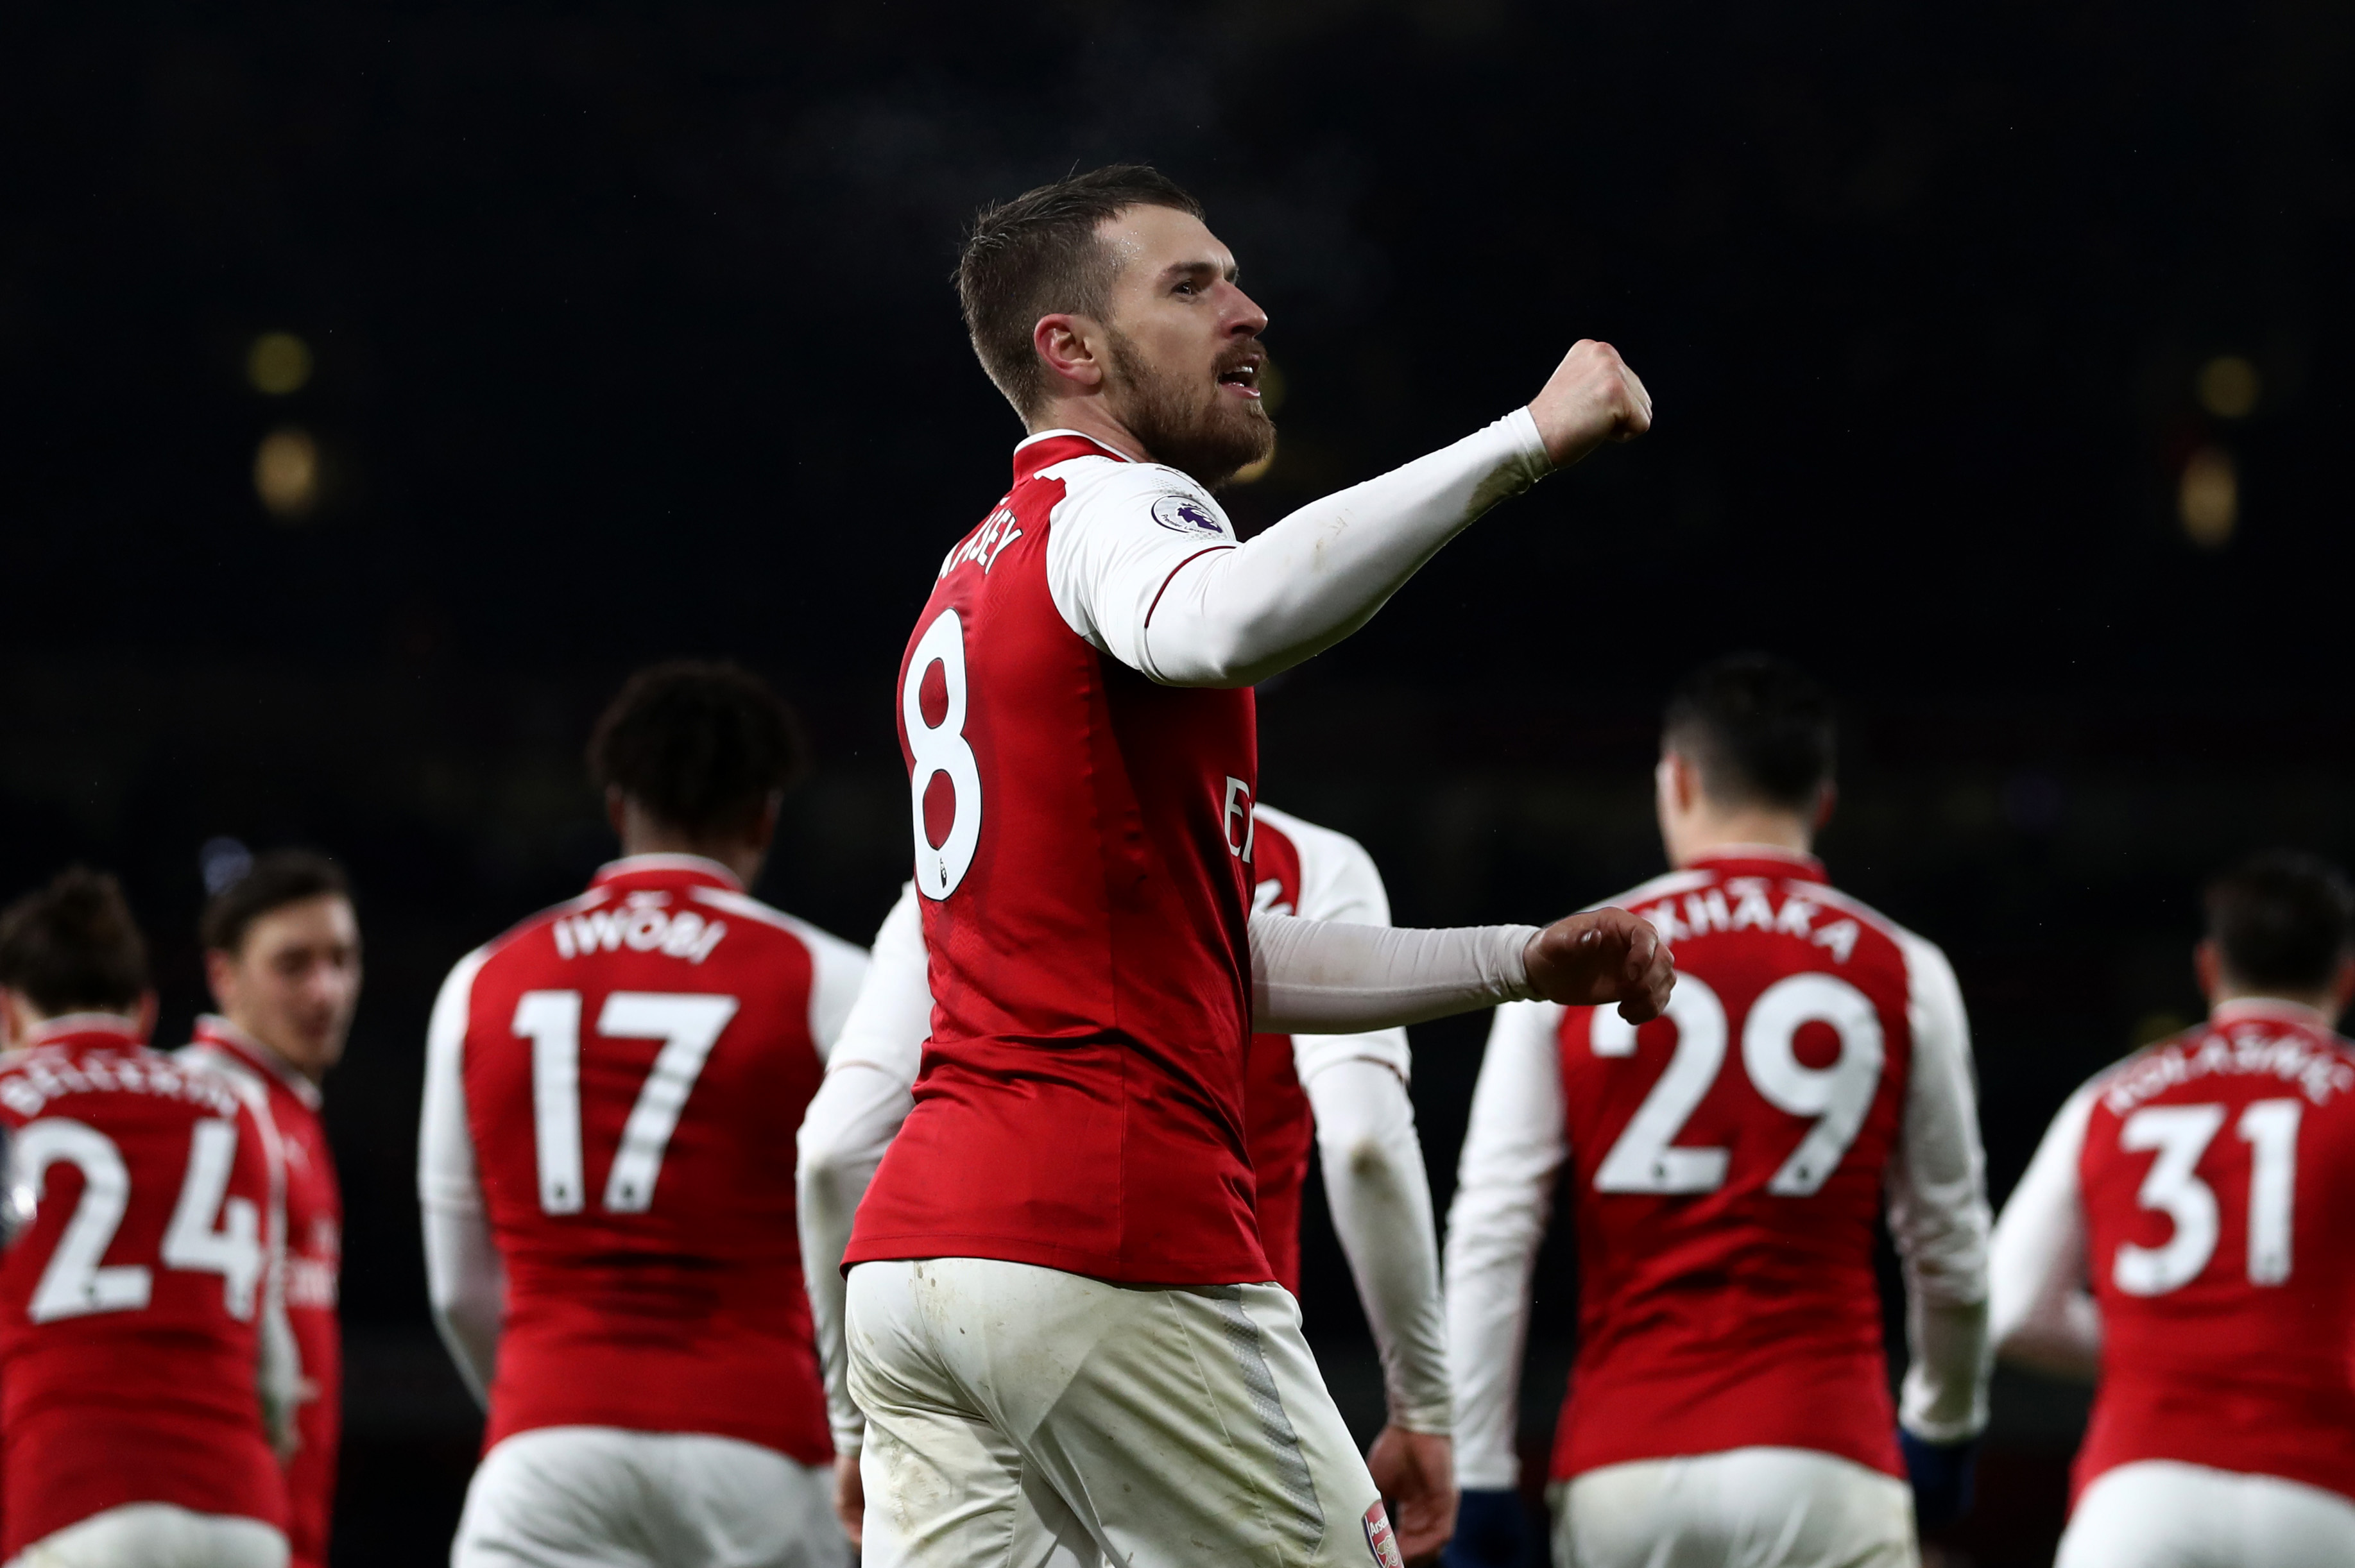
[
  {"x": 79, "y": 1029},
  {"x": 1049, "y": 447},
  {"x": 666, "y": 868},
  {"x": 218, "y": 1034},
  {"x": 1759, "y": 861},
  {"x": 2276, "y": 1009}
]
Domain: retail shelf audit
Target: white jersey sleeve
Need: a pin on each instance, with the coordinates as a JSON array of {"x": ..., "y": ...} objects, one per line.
[
  {"x": 1504, "y": 1192},
  {"x": 1322, "y": 976},
  {"x": 1144, "y": 565},
  {"x": 1375, "y": 1183},
  {"x": 2040, "y": 1308},
  {"x": 1938, "y": 1213},
  {"x": 465, "y": 1284},
  {"x": 851, "y": 1121}
]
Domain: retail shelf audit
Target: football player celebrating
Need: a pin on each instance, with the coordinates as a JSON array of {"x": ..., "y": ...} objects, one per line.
[
  {"x": 1731, "y": 1398},
  {"x": 1061, "y": 1323},
  {"x": 1343, "y": 1094},
  {"x": 2186, "y": 1233},
  {"x": 144, "y": 1362},
  {"x": 282, "y": 957},
  {"x": 607, "y": 1178}
]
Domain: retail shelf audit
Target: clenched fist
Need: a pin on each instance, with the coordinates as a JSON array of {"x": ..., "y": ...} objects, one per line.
[
  {"x": 1593, "y": 397},
  {"x": 1607, "y": 955}
]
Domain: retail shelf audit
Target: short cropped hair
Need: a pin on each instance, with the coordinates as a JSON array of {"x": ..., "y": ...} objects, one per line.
[
  {"x": 2281, "y": 920},
  {"x": 276, "y": 879},
  {"x": 72, "y": 946},
  {"x": 700, "y": 746},
  {"x": 1038, "y": 255},
  {"x": 1759, "y": 728}
]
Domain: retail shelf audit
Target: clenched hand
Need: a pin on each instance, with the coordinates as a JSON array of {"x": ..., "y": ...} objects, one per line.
[
  {"x": 1593, "y": 397},
  {"x": 1607, "y": 955}
]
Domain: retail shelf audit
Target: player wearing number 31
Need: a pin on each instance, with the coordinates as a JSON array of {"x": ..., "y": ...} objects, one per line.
[
  {"x": 2187, "y": 1232},
  {"x": 1727, "y": 1166},
  {"x": 606, "y": 1166},
  {"x": 1062, "y": 1326}
]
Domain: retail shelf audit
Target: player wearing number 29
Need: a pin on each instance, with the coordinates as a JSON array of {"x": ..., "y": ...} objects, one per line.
[
  {"x": 146, "y": 1367},
  {"x": 2187, "y": 1232},
  {"x": 606, "y": 1165},
  {"x": 1063, "y": 1328},
  {"x": 1728, "y": 1162}
]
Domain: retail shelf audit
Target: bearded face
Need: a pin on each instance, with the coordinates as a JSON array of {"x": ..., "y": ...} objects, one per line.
[{"x": 1204, "y": 421}]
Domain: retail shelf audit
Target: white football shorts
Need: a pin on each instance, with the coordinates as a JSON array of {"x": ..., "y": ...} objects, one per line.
[
  {"x": 1745, "y": 1508},
  {"x": 2157, "y": 1513},
  {"x": 1024, "y": 1417},
  {"x": 157, "y": 1535},
  {"x": 594, "y": 1496}
]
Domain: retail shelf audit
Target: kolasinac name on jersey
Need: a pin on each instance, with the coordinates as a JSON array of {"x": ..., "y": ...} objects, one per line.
[
  {"x": 1729, "y": 1164},
  {"x": 1083, "y": 837}
]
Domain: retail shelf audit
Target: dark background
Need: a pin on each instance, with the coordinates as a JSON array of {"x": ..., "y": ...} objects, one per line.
[{"x": 631, "y": 338}]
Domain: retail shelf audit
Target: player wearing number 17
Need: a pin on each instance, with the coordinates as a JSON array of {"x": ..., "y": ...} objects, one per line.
[
  {"x": 2186, "y": 1232},
  {"x": 1062, "y": 1326},
  {"x": 1730, "y": 1402},
  {"x": 147, "y": 1367},
  {"x": 606, "y": 1165}
]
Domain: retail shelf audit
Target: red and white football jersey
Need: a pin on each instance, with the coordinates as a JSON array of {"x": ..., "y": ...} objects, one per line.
[
  {"x": 2217, "y": 1176},
  {"x": 1728, "y": 1164},
  {"x": 1083, "y": 847},
  {"x": 131, "y": 1307},
  {"x": 314, "y": 1256},
  {"x": 615, "y": 1082}
]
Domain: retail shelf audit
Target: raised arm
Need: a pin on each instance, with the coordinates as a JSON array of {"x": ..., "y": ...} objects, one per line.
[
  {"x": 464, "y": 1282},
  {"x": 2040, "y": 1311},
  {"x": 1199, "y": 610}
]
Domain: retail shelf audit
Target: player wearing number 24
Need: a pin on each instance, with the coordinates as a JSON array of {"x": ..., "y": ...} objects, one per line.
[
  {"x": 144, "y": 1349},
  {"x": 2187, "y": 1233},
  {"x": 607, "y": 1169},
  {"x": 1727, "y": 1166}
]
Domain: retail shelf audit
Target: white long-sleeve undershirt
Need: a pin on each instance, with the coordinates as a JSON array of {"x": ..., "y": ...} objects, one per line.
[
  {"x": 1518, "y": 1141},
  {"x": 1168, "y": 591},
  {"x": 1360, "y": 976},
  {"x": 2040, "y": 1309},
  {"x": 1315, "y": 976}
]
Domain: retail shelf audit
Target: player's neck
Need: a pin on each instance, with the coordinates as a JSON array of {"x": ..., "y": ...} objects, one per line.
[
  {"x": 2325, "y": 1004},
  {"x": 1089, "y": 417},
  {"x": 1733, "y": 832}
]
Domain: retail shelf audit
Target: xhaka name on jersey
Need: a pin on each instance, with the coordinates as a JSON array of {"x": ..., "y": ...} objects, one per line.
[{"x": 1754, "y": 909}]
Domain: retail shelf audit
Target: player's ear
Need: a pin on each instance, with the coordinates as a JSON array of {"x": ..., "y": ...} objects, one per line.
[
  {"x": 764, "y": 825},
  {"x": 1827, "y": 798},
  {"x": 2208, "y": 964},
  {"x": 1067, "y": 345},
  {"x": 2342, "y": 984},
  {"x": 617, "y": 810},
  {"x": 220, "y": 976},
  {"x": 146, "y": 1014}
]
